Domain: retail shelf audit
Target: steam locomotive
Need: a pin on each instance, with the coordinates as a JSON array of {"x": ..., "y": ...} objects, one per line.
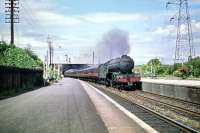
[{"x": 116, "y": 73}]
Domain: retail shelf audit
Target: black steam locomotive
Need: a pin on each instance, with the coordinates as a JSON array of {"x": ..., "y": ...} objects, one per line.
[{"x": 116, "y": 73}]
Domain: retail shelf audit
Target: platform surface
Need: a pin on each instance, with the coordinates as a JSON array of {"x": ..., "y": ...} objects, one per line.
[
  {"x": 115, "y": 120},
  {"x": 64, "y": 107},
  {"x": 190, "y": 83},
  {"x": 61, "y": 108}
]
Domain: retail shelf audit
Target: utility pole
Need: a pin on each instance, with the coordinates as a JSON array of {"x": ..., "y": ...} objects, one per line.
[
  {"x": 12, "y": 16},
  {"x": 66, "y": 58},
  {"x": 184, "y": 40},
  {"x": 47, "y": 58},
  {"x": 151, "y": 69},
  {"x": 49, "y": 41},
  {"x": 47, "y": 65},
  {"x": 93, "y": 58}
]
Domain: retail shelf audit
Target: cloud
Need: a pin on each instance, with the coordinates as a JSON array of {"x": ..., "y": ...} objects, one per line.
[
  {"x": 196, "y": 26},
  {"x": 195, "y": 1},
  {"x": 55, "y": 19},
  {"x": 160, "y": 43},
  {"x": 77, "y": 32},
  {"x": 171, "y": 30},
  {"x": 166, "y": 31},
  {"x": 113, "y": 17}
]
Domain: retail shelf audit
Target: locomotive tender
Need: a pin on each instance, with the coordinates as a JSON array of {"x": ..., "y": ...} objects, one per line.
[{"x": 115, "y": 73}]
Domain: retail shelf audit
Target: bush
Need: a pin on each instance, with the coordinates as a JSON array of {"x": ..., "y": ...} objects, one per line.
[
  {"x": 190, "y": 68},
  {"x": 53, "y": 74},
  {"x": 18, "y": 57},
  {"x": 183, "y": 72},
  {"x": 194, "y": 65},
  {"x": 3, "y": 47}
]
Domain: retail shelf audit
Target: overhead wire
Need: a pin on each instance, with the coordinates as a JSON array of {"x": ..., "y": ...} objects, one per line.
[
  {"x": 29, "y": 18},
  {"x": 30, "y": 22}
]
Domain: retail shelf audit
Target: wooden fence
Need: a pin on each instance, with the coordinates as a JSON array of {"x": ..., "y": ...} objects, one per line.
[{"x": 12, "y": 78}]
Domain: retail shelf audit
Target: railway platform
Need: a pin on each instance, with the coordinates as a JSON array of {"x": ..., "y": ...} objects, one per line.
[
  {"x": 187, "y": 90},
  {"x": 70, "y": 106},
  {"x": 186, "y": 83}
]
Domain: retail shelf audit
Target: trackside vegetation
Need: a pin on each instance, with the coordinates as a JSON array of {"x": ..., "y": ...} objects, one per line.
[
  {"x": 18, "y": 57},
  {"x": 187, "y": 70},
  {"x": 20, "y": 70}
]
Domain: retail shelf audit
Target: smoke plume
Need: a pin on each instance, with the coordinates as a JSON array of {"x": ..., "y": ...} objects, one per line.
[{"x": 113, "y": 44}]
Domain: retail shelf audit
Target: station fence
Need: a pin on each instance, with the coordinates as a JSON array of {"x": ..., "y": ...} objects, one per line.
[{"x": 18, "y": 79}]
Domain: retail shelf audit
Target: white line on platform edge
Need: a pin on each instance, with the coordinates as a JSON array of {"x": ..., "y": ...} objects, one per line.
[{"x": 145, "y": 126}]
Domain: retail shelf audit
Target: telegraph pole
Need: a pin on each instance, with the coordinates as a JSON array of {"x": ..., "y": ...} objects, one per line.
[
  {"x": 12, "y": 22},
  {"x": 50, "y": 50},
  {"x": 47, "y": 58},
  {"x": 12, "y": 16},
  {"x": 93, "y": 58},
  {"x": 66, "y": 58}
]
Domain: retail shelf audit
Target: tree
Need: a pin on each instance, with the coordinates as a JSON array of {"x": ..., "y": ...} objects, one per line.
[
  {"x": 154, "y": 65},
  {"x": 194, "y": 66},
  {"x": 154, "y": 62}
]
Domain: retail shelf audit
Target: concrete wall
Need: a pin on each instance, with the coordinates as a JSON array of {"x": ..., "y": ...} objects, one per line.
[{"x": 191, "y": 94}]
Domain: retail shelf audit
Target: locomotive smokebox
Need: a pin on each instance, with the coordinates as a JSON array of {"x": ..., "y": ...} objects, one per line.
[{"x": 124, "y": 65}]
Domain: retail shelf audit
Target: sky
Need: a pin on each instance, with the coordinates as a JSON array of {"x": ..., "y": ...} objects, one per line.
[{"x": 77, "y": 26}]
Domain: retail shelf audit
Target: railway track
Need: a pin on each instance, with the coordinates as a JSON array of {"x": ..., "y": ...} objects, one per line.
[
  {"x": 189, "y": 109},
  {"x": 159, "y": 102},
  {"x": 155, "y": 119},
  {"x": 177, "y": 113},
  {"x": 186, "y": 105}
]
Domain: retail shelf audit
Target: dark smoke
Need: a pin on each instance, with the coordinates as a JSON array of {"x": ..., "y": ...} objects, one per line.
[{"x": 114, "y": 43}]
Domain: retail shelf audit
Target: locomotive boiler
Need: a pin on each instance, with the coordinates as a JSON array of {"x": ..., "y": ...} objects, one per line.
[{"x": 124, "y": 64}]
